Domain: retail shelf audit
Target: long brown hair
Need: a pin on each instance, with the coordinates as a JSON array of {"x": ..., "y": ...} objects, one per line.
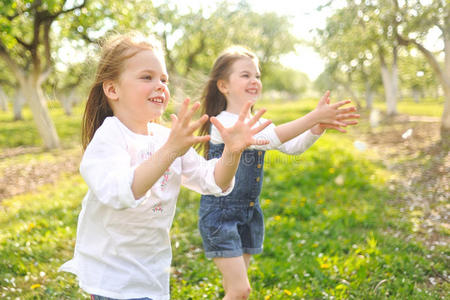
[
  {"x": 115, "y": 51},
  {"x": 213, "y": 101}
]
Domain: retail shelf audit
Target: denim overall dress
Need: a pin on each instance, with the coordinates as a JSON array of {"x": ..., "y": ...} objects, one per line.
[{"x": 232, "y": 225}]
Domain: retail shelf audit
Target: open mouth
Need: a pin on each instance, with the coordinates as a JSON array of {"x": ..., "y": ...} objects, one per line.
[
  {"x": 252, "y": 91},
  {"x": 158, "y": 99}
]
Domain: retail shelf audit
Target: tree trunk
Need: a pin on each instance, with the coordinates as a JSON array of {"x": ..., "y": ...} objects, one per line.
[
  {"x": 445, "y": 121},
  {"x": 394, "y": 70},
  {"x": 389, "y": 89},
  {"x": 416, "y": 95},
  {"x": 3, "y": 100},
  {"x": 68, "y": 100},
  {"x": 369, "y": 96},
  {"x": 18, "y": 103},
  {"x": 353, "y": 96},
  {"x": 445, "y": 124},
  {"x": 35, "y": 98}
]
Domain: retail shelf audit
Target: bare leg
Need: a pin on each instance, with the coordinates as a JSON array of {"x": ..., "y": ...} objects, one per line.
[
  {"x": 247, "y": 260},
  {"x": 235, "y": 280}
]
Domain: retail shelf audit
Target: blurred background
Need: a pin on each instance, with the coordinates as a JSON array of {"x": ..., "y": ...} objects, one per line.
[
  {"x": 362, "y": 215},
  {"x": 369, "y": 51}
]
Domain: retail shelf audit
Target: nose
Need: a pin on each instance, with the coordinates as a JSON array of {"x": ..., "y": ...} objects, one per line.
[
  {"x": 254, "y": 81},
  {"x": 161, "y": 86}
]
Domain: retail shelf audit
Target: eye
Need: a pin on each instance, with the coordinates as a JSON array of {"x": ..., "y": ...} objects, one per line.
[
  {"x": 165, "y": 81},
  {"x": 147, "y": 77},
  {"x": 258, "y": 76},
  {"x": 245, "y": 75}
]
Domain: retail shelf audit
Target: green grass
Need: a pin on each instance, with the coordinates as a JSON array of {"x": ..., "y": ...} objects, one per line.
[
  {"x": 333, "y": 229},
  {"x": 279, "y": 110},
  {"x": 24, "y": 133},
  {"x": 427, "y": 107}
]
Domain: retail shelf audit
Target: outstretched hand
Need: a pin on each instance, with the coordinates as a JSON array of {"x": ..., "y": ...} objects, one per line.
[
  {"x": 182, "y": 137},
  {"x": 240, "y": 136},
  {"x": 334, "y": 117}
]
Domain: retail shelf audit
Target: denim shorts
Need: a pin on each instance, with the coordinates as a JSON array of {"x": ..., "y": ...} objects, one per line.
[
  {"x": 230, "y": 227},
  {"x": 97, "y": 297}
]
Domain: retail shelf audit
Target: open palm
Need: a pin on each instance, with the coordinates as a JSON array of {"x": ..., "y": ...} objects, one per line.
[{"x": 241, "y": 135}]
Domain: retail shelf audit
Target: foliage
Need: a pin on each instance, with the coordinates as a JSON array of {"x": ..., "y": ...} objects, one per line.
[
  {"x": 417, "y": 75},
  {"x": 190, "y": 50},
  {"x": 369, "y": 28},
  {"x": 283, "y": 79}
]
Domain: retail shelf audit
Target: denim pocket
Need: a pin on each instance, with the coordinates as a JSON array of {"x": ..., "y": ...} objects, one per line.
[{"x": 210, "y": 221}]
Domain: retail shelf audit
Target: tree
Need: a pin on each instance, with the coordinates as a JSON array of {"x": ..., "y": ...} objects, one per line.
[
  {"x": 190, "y": 52},
  {"x": 3, "y": 100},
  {"x": 416, "y": 75},
  {"x": 25, "y": 47},
  {"x": 413, "y": 23},
  {"x": 354, "y": 36},
  {"x": 6, "y": 82},
  {"x": 283, "y": 79}
]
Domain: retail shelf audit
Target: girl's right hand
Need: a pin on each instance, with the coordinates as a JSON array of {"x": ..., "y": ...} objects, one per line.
[
  {"x": 182, "y": 137},
  {"x": 241, "y": 135}
]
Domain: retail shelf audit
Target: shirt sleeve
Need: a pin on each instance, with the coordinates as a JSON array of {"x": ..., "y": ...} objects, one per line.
[
  {"x": 106, "y": 168},
  {"x": 198, "y": 174},
  {"x": 299, "y": 144}
]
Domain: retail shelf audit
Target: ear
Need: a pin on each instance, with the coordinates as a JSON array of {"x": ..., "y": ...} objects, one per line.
[
  {"x": 110, "y": 90},
  {"x": 222, "y": 86}
]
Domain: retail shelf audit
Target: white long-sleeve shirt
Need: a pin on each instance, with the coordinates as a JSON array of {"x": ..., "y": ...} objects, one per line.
[
  {"x": 297, "y": 145},
  {"x": 123, "y": 247}
]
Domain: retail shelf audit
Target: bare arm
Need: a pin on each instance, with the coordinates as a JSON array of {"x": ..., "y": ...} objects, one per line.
[
  {"x": 289, "y": 130},
  {"x": 329, "y": 116}
]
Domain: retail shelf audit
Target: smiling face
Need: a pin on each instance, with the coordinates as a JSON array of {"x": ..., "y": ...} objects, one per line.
[
  {"x": 141, "y": 93},
  {"x": 243, "y": 84}
]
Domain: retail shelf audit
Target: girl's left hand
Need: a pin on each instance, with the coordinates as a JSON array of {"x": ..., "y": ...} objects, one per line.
[
  {"x": 320, "y": 128},
  {"x": 240, "y": 136},
  {"x": 345, "y": 116}
]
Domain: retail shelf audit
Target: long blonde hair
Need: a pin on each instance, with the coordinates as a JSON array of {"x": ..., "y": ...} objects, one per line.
[
  {"x": 213, "y": 101},
  {"x": 115, "y": 51}
]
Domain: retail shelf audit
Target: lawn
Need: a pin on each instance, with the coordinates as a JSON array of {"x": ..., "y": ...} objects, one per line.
[{"x": 334, "y": 226}]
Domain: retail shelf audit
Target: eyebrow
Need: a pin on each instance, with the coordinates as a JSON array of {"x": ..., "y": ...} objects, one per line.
[
  {"x": 152, "y": 71},
  {"x": 247, "y": 71}
]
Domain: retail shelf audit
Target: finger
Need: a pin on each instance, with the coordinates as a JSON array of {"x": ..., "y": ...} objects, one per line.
[
  {"x": 260, "y": 142},
  {"x": 337, "y": 123},
  {"x": 261, "y": 127},
  {"x": 350, "y": 122},
  {"x": 183, "y": 109},
  {"x": 340, "y": 103},
  {"x": 188, "y": 115},
  {"x": 324, "y": 99},
  {"x": 340, "y": 129},
  {"x": 245, "y": 110},
  {"x": 217, "y": 123},
  {"x": 346, "y": 110},
  {"x": 174, "y": 119},
  {"x": 201, "y": 139},
  {"x": 347, "y": 116},
  {"x": 329, "y": 126},
  {"x": 256, "y": 117},
  {"x": 195, "y": 125}
]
